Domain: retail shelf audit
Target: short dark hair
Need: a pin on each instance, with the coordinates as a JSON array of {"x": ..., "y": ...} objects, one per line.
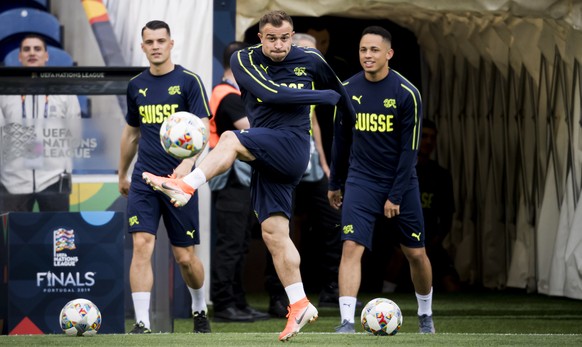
[
  {"x": 317, "y": 25},
  {"x": 377, "y": 30},
  {"x": 230, "y": 49},
  {"x": 34, "y": 36},
  {"x": 155, "y": 25},
  {"x": 275, "y": 18},
  {"x": 429, "y": 124}
]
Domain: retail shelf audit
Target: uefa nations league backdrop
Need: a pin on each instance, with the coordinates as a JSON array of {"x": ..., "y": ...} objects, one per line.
[{"x": 56, "y": 257}]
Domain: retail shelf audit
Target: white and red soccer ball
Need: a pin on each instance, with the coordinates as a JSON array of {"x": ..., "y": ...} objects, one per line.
[
  {"x": 381, "y": 316},
  {"x": 183, "y": 135},
  {"x": 80, "y": 317}
]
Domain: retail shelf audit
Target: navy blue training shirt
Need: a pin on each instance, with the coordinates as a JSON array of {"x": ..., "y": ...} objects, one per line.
[
  {"x": 384, "y": 137},
  {"x": 150, "y": 100},
  {"x": 278, "y": 95}
]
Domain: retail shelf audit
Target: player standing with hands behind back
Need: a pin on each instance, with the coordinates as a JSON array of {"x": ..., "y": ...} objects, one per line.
[
  {"x": 276, "y": 81},
  {"x": 374, "y": 157},
  {"x": 152, "y": 96}
]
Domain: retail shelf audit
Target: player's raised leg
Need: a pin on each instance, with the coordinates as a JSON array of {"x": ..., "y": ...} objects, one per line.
[
  {"x": 216, "y": 162},
  {"x": 178, "y": 191}
]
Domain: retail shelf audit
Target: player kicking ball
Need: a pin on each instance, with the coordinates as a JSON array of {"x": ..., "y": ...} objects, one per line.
[{"x": 276, "y": 82}]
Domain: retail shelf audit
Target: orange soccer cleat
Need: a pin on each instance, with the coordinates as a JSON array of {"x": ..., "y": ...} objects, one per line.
[
  {"x": 178, "y": 191},
  {"x": 300, "y": 313}
]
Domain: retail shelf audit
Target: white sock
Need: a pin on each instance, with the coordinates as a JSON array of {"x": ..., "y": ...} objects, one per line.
[
  {"x": 347, "y": 306},
  {"x": 198, "y": 299},
  {"x": 195, "y": 178},
  {"x": 141, "y": 305},
  {"x": 424, "y": 303},
  {"x": 295, "y": 292}
]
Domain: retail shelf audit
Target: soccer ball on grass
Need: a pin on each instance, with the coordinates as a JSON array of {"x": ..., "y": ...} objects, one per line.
[
  {"x": 80, "y": 317},
  {"x": 183, "y": 135},
  {"x": 382, "y": 317}
]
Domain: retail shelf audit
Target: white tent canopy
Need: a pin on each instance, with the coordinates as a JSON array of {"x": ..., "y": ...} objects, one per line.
[{"x": 503, "y": 82}]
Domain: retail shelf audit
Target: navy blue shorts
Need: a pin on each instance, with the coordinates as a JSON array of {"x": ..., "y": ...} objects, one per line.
[
  {"x": 145, "y": 206},
  {"x": 363, "y": 206},
  {"x": 281, "y": 159}
]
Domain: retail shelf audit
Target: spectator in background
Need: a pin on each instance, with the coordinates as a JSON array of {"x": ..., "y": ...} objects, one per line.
[
  {"x": 325, "y": 113},
  {"x": 232, "y": 205},
  {"x": 36, "y": 165},
  {"x": 438, "y": 207},
  {"x": 318, "y": 223},
  {"x": 323, "y": 41}
]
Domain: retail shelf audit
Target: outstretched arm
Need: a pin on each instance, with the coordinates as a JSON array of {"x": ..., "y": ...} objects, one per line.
[{"x": 253, "y": 78}]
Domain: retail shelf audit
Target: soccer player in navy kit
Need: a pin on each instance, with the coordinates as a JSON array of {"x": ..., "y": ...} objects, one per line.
[
  {"x": 152, "y": 96},
  {"x": 381, "y": 145},
  {"x": 276, "y": 81}
]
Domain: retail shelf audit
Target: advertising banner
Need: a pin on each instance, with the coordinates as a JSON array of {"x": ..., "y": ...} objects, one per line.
[{"x": 55, "y": 257}]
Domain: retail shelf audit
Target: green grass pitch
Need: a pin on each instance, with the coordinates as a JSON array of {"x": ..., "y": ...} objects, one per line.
[{"x": 464, "y": 319}]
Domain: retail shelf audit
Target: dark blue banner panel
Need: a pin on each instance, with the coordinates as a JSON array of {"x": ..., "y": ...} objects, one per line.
[{"x": 53, "y": 258}]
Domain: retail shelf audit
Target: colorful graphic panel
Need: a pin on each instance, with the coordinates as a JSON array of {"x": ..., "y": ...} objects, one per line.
[{"x": 54, "y": 257}]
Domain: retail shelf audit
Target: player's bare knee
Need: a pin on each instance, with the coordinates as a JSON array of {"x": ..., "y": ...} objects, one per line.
[
  {"x": 275, "y": 240},
  {"x": 352, "y": 250},
  {"x": 269, "y": 237},
  {"x": 349, "y": 246},
  {"x": 184, "y": 257},
  {"x": 228, "y": 138},
  {"x": 143, "y": 246},
  {"x": 415, "y": 256}
]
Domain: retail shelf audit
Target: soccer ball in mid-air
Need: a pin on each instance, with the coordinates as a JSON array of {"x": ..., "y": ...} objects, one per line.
[
  {"x": 381, "y": 316},
  {"x": 80, "y": 317},
  {"x": 183, "y": 135}
]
